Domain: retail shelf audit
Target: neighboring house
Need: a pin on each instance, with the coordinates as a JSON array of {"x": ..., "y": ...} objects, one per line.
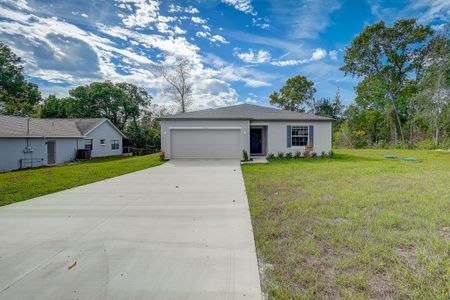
[
  {"x": 225, "y": 132},
  {"x": 27, "y": 142}
]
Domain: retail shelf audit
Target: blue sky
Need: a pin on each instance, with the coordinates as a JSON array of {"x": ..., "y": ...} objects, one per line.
[{"x": 241, "y": 50}]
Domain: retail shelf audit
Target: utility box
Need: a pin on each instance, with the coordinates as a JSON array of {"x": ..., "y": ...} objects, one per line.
[{"x": 83, "y": 154}]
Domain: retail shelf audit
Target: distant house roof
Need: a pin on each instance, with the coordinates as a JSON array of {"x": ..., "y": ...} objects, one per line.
[
  {"x": 11, "y": 126},
  {"x": 246, "y": 112}
]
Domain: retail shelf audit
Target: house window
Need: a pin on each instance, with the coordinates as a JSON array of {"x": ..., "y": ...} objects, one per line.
[
  {"x": 299, "y": 135},
  {"x": 88, "y": 144},
  {"x": 115, "y": 145},
  {"x": 102, "y": 142}
]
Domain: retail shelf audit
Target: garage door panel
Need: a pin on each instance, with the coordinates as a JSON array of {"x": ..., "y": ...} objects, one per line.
[{"x": 206, "y": 143}]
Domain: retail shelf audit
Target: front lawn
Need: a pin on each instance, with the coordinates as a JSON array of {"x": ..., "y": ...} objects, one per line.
[
  {"x": 21, "y": 185},
  {"x": 357, "y": 226}
]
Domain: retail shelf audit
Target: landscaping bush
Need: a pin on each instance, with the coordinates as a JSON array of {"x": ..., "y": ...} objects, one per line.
[
  {"x": 270, "y": 156},
  {"x": 280, "y": 155},
  {"x": 298, "y": 154},
  {"x": 244, "y": 155},
  {"x": 288, "y": 155}
]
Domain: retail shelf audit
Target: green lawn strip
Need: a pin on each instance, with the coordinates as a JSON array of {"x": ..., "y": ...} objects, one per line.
[
  {"x": 21, "y": 185},
  {"x": 356, "y": 226}
]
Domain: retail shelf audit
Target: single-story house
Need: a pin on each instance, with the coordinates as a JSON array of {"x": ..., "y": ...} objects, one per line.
[
  {"x": 225, "y": 132},
  {"x": 28, "y": 142}
]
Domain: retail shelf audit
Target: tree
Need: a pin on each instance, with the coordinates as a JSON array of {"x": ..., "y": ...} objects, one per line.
[
  {"x": 178, "y": 77},
  {"x": 295, "y": 94},
  {"x": 324, "y": 107},
  {"x": 434, "y": 85},
  {"x": 54, "y": 107},
  {"x": 17, "y": 96},
  {"x": 119, "y": 102},
  {"x": 389, "y": 55}
]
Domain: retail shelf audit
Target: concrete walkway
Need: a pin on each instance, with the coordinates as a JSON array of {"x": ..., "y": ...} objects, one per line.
[{"x": 178, "y": 231}]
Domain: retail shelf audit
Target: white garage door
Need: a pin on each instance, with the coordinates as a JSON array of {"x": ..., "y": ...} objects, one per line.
[{"x": 205, "y": 143}]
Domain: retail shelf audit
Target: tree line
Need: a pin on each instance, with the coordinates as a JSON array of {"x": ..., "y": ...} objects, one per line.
[
  {"x": 402, "y": 98},
  {"x": 127, "y": 106}
]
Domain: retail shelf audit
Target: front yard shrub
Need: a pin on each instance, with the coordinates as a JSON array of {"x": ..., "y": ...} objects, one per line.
[
  {"x": 288, "y": 155},
  {"x": 280, "y": 155},
  {"x": 270, "y": 156},
  {"x": 298, "y": 154},
  {"x": 244, "y": 155}
]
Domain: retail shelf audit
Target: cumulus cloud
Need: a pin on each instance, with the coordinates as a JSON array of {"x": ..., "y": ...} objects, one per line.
[
  {"x": 318, "y": 54},
  {"x": 198, "y": 20},
  {"x": 212, "y": 38},
  {"x": 259, "y": 57},
  {"x": 244, "y": 6}
]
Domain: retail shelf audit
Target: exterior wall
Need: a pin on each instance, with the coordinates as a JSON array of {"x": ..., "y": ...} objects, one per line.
[
  {"x": 167, "y": 125},
  {"x": 12, "y": 151},
  {"x": 107, "y": 132},
  {"x": 277, "y": 136}
]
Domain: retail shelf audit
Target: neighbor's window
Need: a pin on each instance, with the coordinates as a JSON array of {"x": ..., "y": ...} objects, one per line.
[
  {"x": 102, "y": 142},
  {"x": 88, "y": 144},
  {"x": 115, "y": 145},
  {"x": 299, "y": 135}
]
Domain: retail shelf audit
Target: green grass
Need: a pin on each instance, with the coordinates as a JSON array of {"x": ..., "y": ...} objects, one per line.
[
  {"x": 357, "y": 226},
  {"x": 25, "y": 184}
]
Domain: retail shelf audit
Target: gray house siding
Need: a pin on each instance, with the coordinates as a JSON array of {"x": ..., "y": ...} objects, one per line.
[
  {"x": 108, "y": 133},
  {"x": 277, "y": 136},
  {"x": 12, "y": 151},
  {"x": 168, "y": 126}
]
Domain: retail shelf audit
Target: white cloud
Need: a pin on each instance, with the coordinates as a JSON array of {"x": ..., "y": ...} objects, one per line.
[
  {"x": 261, "y": 56},
  {"x": 177, "y": 9},
  {"x": 333, "y": 54},
  {"x": 218, "y": 38},
  {"x": 427, "y": 11},
  {"x": 244, "y": 6},
  {"x": 20, "y": 4},
  {"x": 198, "y": 20},
  {"x": 212, "y": 38},
  {"x": 318, "y": 54},
  {"x": 305, "y": 19},
  {"x": 146, "y": 12}
]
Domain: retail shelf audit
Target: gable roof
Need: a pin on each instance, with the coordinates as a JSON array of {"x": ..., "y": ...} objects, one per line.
[
  {"x": 11, "y": 126},
  {"x": 246, "y": 112}
]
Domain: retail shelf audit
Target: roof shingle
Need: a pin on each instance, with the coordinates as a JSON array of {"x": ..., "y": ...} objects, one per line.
[
  {"x": 11, "y": 126},
  {"x": 246, "y": 112}
]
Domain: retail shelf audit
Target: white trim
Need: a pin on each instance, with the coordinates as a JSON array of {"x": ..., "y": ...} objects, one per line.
[{"x": 110, "y": 123}]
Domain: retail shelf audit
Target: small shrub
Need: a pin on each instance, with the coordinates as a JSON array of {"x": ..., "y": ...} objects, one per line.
[
  {"x": 245, "y": 155},
  {"x": 323, "y": 154},
  {"x": 298, "y": 154},
  {"x": 288, "y": 155},
  {"x": 280, "y": 155},
  {"x": 381, "y": 144},
  {"x": 270, "y": 156},
  {"x": 162, "y": 155},
  {"x": 331, "y": 154},
  {"x": 426, "y": 145},
  {"x": 314, "y": 154}
]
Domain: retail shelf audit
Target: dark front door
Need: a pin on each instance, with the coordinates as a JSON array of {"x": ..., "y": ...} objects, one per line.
[
  {"x": 256, "y": 140},
  {"x": 51, "y": 152}
]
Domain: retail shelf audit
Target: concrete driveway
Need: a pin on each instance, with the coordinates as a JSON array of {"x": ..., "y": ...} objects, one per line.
[{"x": 178, "y": 231}]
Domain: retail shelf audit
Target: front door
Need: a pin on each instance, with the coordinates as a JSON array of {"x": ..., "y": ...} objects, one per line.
[
  {"x": 51, "y": 152},
  {"x": 256, "y": 141}
]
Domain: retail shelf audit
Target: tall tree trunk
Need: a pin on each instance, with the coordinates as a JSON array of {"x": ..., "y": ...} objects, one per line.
[{"x": 398, "y": 123}]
